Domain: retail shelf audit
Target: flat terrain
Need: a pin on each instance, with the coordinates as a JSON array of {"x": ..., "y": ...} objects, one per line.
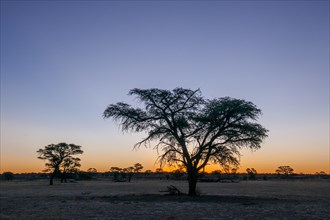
[{"x": 141, "y": 199}]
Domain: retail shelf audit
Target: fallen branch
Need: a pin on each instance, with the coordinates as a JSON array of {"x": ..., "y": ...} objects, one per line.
[{"x": 172, "y": 191}]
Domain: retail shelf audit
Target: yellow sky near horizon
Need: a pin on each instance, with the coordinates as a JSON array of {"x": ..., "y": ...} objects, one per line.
[
  {"x": 56, "y": 82},
  {"x": 261, "y": 160}
]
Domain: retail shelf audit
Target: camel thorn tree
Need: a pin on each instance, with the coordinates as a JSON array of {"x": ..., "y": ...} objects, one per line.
[
  {"x": 190, "y": 130},
  {"x": 60, "y": 157}
]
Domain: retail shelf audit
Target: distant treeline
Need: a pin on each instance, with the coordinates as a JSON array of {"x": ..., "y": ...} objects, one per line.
[{"x": 149, "y": 175}]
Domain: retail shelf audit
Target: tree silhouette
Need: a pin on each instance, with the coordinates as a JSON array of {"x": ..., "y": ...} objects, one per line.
[
  {"x": 251, "y": 173},
  {"x": 159, "y": 172},
  {"x": 120, "y": 174},
  {"x": 92, "y": 170},
  {"x": 191, "y": 131},
  {"x": 60, "y": 157},
  {"x": 137, "y": 167},
  {"x": 116, "y": 172},
  {"x": 129, "y": 173},
  {"x": 178, "y": 173},
  {"x": 148, "y": 172},
  {"x": 286, "y": 170},
  {"x": 8, "y": 176},
  {"x": 69, "y": 166}
]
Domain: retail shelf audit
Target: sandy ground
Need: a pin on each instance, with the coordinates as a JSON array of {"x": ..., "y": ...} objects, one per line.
[{"x": 142, "y": 200}]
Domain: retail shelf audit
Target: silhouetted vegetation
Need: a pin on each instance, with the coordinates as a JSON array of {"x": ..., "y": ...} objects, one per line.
[
  {"x": 92, "y": 170},
  {"x": 214, "y": 176},
  {"x": 8, "y": 176},
  {"x": 251, "y": 173},
  {"x": 90, "y": 174},
  {"x": 81, "y": 175},
  {"x": 137, "y": 167},
  {"x": 148, "y": 172},
  {"x": 285, "y": 171},
  {"x": 173, "y": 191},
  {"x": 60, "y": 159},
  {"x": 177, "y": 174},
  {"x": 192, "y": 131},
  {"x": 116, "y": 173},
  {"x": 125, "y": 174},
  {"x": 321, "y": 174},
  {"x": 159, "y": 172},
  {"x": 69, "y": 168}
]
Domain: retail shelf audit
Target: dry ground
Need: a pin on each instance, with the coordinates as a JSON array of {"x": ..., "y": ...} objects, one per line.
[{"x": 142, "y": 200}]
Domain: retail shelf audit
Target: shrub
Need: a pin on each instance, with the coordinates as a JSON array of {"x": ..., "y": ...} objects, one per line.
[{"x": 8, "y": 176}]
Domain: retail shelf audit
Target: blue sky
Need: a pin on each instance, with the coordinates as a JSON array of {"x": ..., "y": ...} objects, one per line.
[{"x": 63, "y": 62}]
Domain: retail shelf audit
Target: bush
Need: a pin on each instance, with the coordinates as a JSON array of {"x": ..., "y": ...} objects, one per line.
[
  {"x": 8, "y": 176},
  {"x": 85, "y": 176},
  {"x": 177, "y": 174}
]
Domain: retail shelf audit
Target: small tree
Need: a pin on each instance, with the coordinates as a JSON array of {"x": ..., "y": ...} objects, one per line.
[
  {"x": 69, "y": 166},
  {"x": 122, "y": 174},
  {"x": 234, "y": 173},
  {"x": 159, "y": 172},
  {"x": 321, "y": 174},
  {"x": 8, "y": 176},
  {"x": 148, "y": 172},
  {"x": 251, "y": 173},
  {"x": 89, "y": 174},
  {"x": 116, "y": 172},
  {"x": 129, "y": 172},
  {"x": 60, "y": 157},
  {"x": 216, "y": 174},
  {"x": 137, "y": 167},
  {"x": 92, "y": 170},
  {"x": 177, "y": 173},
  {"x": 284, "y": 170},
  {"x": 192, "y": 131}
]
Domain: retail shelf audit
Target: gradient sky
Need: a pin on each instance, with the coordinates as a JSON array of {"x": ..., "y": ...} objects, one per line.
[{"x": 64, "y": 62}]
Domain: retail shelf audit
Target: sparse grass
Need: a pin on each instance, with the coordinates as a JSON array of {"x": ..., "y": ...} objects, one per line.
[{"x": 142, "y": 200}]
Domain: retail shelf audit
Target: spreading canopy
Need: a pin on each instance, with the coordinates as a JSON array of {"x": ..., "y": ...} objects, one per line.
[
  {"x": 60, "y": 157},
  {"x": 191, "y": 130}
]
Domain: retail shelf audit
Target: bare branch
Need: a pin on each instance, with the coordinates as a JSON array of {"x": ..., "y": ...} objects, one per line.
[{"x": 190, "y": 129}]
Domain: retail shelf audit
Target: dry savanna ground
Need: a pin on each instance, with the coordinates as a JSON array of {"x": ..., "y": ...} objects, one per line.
[{"x": 141, "y": 199}]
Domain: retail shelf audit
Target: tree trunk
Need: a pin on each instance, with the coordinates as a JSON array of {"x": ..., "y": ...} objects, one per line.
[
  {"x": 192, "y": 179},
  {"x": 51, "y": 178},
  {"x": 63, "y": 176}
]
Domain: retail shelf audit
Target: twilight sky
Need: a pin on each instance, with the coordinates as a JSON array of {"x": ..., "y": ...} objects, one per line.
[{"x": 64, "y": 62}]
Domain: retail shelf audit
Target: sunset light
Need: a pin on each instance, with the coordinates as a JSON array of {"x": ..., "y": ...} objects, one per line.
[{"x": 63, "y": 63}]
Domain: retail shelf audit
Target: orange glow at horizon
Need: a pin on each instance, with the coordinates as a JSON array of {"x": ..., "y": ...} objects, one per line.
[
  {"x": 33, "y": 165},
  {"x": 264, "y": 160}
]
